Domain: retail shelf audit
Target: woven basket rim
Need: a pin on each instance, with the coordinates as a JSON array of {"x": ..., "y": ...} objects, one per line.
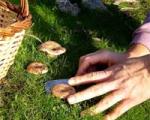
[{"x": 21, "y": 24}]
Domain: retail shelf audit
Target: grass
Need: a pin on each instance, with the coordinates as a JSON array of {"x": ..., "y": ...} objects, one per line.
[{"x": 24, "y": 98}]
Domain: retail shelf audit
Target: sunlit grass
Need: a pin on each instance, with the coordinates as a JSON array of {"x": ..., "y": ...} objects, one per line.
[{"x": 24, "y": 97}]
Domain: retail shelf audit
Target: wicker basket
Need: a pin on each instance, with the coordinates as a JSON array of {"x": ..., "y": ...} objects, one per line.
[{"x": 14, "y": 20}]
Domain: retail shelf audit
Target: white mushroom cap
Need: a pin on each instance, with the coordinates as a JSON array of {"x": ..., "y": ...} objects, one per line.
[
  {"x": 52, "y": 48},
  {"x": 62, "y": 90},
  {"x": 37, "y": 68}
]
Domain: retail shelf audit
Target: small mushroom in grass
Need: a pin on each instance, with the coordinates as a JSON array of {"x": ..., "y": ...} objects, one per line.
[
  {"x": 62, "y": 90},
  {"x": 59, "y": 88},
  {"x": 37, "y": 68},
  {"x": 52, "y": 48}
]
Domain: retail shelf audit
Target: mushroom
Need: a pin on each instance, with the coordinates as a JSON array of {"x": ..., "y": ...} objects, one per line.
[
  {"x": 37, "y": 68},
  {"x": 62, "y": 90},
  {"x": 52, "y": 48}
]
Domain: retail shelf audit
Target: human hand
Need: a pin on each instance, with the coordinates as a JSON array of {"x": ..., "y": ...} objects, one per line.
[
  {"x": 126, "y": 83},
  {"x": 89, "y": 62}
]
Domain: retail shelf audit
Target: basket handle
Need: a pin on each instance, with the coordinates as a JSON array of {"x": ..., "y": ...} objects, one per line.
[
  {"x": 24, "y": 8},
  {"x": 23, "y": 4}
]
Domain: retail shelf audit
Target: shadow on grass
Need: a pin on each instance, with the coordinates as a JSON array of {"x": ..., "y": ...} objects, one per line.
[
  {"x": 27, "y": 98},
  {"x": 113, "y": 26},
  {"x": 75, "y": 33}
]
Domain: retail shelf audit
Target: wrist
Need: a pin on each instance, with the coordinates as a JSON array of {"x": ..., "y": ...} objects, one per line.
[{"x": 137, "y": 50}]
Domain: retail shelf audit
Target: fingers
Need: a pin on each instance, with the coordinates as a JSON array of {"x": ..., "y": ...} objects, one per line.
[
  {"x": 92, "y": 59},
  {"x": 90, "y": 77},
  {"x": 94, "y": 91},
  {"x": 86, "y": 62},
  {"x": 121, "y": 108},
  {"x": 105, "y": 103}
]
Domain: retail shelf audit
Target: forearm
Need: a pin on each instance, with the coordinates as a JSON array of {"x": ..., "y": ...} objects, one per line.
[
  {"x": 140, "y": 45},
  {"x": 137, "y": 50}
]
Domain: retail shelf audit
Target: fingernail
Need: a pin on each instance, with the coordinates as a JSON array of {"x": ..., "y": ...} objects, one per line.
[
  {"x": 84, "y": 113},
  {"x": 71, "y": 81},
  {"x": 87, "y": 112},
  {"x": 71, "y": 100},
  {"x": 107, "y": 117}
]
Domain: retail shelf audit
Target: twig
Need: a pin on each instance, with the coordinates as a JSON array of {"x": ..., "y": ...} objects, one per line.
[{"x": 35, "y": 37}]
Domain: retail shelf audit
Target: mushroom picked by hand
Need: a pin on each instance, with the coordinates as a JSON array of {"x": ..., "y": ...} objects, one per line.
[
  {"x": 52, "y": 48},
  {"x": 60, "y": 88},
  {"x": 37, "y": 68}
]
